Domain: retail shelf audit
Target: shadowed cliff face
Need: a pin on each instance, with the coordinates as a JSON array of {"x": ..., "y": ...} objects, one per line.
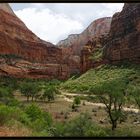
[
  {"x": 124, "y": 37},
  {"x": 38, "y": 58}
]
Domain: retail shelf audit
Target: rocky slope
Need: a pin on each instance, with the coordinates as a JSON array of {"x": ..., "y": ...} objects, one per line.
[
  {"x": 17, "y": 41},
  {"x": 124, "y": 37}
]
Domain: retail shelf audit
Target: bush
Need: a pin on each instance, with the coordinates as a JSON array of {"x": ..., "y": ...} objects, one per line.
[
  {"x": 77, "y": 100},
  {"x": 36, "y": 114},
  {"x": 39, "y": 124},
  {"x": 48, "y": 118},
  {"x": 33, "y": 112},
  {"x": 13, "y": 102},
  {"x": 5, "y": 94},
  {"x": 81, "y": 126},
  {"x": 96, "y": 132},
  {"x": 7, "y": 113}
]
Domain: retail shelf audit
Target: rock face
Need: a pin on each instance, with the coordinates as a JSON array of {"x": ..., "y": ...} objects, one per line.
[
  {"x": 77, "y": 41},
  {"x": 73, "y": 45},
  {"x": 124, "y": 37},
  {"x": 91, "y": 54},
  {"x": 16, "y": 40}
]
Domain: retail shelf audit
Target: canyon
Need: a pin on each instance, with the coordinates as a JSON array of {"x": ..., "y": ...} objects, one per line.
[{"x": 105, "y": 40}]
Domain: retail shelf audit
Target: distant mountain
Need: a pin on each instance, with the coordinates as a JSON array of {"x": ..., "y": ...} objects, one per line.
[
  {"x": 76, "y": 42},
  {"x": 73, "y": 45}
]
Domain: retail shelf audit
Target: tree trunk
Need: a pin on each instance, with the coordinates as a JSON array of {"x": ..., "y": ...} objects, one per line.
[{"x": 114, "y": 125}]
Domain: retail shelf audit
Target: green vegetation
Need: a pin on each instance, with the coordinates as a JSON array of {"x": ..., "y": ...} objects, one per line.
[
  {"x": 50, "y": 93},
  {"x": 29, "y": 89},
  {"x": 81, "y": 126},
  {"x": 97, "y": 54},
  {"x": 77, "y": 101},
  {"x": 112, "y": 94},
  {"x": 88, "y": 82},
  {"x": 113, "y": 86}
]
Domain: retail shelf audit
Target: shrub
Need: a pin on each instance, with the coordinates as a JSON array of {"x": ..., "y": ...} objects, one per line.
[
  {"x": 7, "y": 113},
  {"x": 80, "y": 126},
  {"x": 39, "y": 124},
  {"x": 77, "y": 100},
  {"x": 33, "y": 111}
]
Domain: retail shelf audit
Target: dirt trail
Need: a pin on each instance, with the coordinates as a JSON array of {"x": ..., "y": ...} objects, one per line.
[
  {"x": 73, "y": 94},
  {"x": 90, "y": 103}
]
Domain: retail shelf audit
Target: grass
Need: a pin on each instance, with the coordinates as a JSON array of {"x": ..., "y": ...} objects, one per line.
[{"x": 94, "y": 77}]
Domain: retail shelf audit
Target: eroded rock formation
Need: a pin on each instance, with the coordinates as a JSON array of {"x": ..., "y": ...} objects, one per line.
[
  {"x": 91, "y": 54},
  {"x": 77, "y": 41},
  {"x": 124, "y": 37},
  {"x": 16, "y": 40},
  {"x": 72, "y": 47}
]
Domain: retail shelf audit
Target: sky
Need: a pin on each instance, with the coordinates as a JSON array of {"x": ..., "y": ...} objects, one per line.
[{"x": 55, "y": 21}]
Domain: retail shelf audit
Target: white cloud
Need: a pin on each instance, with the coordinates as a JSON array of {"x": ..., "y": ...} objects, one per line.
[
  {"x": 47, "y": 24},
  {"x": 55, "y": 21}
]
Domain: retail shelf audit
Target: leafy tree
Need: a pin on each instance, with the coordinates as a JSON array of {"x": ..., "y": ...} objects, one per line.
[
  {"x": 35, "y": 90},
  {"x": 112, "y": 95},
  {"x": 25, "y": 89},
  {"x": 29, "y": 89},
  {"x": 49, "y": 93}
]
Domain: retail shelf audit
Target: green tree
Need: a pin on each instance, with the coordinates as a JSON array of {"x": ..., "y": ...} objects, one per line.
[
  {"x": 29, "y": 89},
  {"x": 112, "y": 95},
  {"x": 49, "y": 93},
  {"x": 34, "y": 90}
]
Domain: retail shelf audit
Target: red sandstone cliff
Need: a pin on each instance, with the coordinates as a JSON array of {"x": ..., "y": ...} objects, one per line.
[
  {"x": 73, "y": 45},
  {"x": 124, "y": 37},
  {"x": 18, "y": 41},
  {"x": 76, "y": 42}
]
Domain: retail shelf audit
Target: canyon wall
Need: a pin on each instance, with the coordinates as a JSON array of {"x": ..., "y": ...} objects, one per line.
[
  {"x": 17, "y": 41},
  {"x": 73, "y": 46},
  {"x": 124, "y": 36}
]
